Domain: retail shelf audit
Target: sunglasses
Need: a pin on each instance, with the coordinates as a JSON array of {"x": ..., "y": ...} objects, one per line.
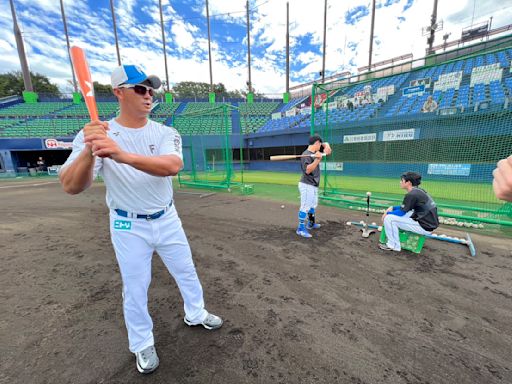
[{"x": 139, "y": 89}]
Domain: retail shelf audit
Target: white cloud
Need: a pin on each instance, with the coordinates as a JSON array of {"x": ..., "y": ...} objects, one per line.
[{"x": 187, "y": 44}]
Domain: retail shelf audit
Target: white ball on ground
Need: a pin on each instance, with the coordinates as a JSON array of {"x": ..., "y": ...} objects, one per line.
[{"x": 282, "y": 206}]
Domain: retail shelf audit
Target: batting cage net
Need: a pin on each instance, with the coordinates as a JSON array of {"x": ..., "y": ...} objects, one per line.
[
  {"x": 455, "y": 144},
  {"x": 206, "y": 131}
]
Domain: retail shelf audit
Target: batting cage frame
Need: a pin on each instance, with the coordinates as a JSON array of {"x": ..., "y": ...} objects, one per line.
[
  {"x": 455, "y": 148},
  {"x": 208, "y": 145}
]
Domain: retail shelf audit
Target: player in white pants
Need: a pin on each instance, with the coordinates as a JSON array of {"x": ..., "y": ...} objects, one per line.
[
  {"x": 136, "y": 158},
  {"x": 309, "y": 182},
  {"x": 418, "y": 213}
]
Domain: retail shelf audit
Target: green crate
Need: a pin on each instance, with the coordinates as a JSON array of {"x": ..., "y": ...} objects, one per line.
[{"x": 408, "y": 240}]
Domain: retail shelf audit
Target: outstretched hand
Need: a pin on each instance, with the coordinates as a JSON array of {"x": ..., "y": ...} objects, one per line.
[
  {"x": 327, "y": 148},
  {"x": 502, "y": 183},
  {"x": 385, "y": 213}
]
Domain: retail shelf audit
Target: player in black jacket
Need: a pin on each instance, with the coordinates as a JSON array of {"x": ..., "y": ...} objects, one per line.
[{"x": 418, "y": 213}]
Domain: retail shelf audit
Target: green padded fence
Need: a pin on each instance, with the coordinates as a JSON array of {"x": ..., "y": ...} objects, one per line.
[{"x": 206, "y": 130}]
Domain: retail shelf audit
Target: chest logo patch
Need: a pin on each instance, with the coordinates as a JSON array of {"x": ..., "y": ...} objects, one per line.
[{"x": 152, "y": 148}]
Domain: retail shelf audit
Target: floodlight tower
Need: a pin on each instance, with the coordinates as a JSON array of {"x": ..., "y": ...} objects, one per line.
[
  {"x": 325, "y": 41},
  {"x": 433, "y": 28},
  {"x": 115, "y": 32},
  {"x": 211, "y": 94},
  {"x": 21, "y": 51},
  {"x": 372, "y": 28},
  {"x": 63, "y": 14},
  {"x": 163, "y": 45}
]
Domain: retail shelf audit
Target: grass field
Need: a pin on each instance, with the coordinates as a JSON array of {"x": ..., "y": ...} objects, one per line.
[
  {"x": 442, "y": 190},
  {"x": 475, "y": 200}
]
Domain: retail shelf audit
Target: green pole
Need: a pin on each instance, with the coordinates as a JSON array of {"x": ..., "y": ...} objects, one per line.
[
  {"x": 241, "y": 157},
  {"x": 192, "y": 159},
  {"x": 324, "y": 135},
  {"x": 312, "y": 129},
  {"x": 226, "y": 134}
]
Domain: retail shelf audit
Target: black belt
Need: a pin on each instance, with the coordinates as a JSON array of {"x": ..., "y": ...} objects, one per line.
[{"x": 150, "y": 216}]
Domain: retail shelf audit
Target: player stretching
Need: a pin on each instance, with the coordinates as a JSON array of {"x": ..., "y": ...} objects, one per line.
[
  {"x": 309, "y": 182},
  {"x": 418, "y": 213},
  {"x": 136, "y": 158}
]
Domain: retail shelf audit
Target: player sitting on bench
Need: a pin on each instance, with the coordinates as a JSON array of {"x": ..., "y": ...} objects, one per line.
[{"x": 418, "y": 213}]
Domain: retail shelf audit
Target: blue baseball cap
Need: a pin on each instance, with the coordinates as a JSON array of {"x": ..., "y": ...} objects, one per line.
[{"x": 133, "y": 74}]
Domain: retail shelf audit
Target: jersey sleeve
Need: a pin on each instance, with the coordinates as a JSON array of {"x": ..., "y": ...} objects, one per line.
[
  {"x": 409, "y": 202},
  {"x": 78, "y": 146},
  {"x": 171, "y": 144},
  {"x": 305, "y": 161}
]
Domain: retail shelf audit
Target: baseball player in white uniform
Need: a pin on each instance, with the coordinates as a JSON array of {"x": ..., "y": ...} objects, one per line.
[
  {"x": 308, "y": 184},
  {"x": 136, "y": 158}
]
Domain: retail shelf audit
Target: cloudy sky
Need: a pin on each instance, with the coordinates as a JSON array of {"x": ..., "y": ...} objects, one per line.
[{"x": 398, "y": 31}]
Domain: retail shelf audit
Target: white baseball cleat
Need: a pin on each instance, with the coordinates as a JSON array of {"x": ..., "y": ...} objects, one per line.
[
  {"x": 303, "y": 233},
  {"x": 211, "y": 322},
  {"x": 147, "y": 360}
]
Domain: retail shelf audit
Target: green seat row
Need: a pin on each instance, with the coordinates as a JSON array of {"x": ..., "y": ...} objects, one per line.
[
  {"x": 33, "y": 109},
  {"x": 105, "y": 108},
  {"x": 166, "y": 109},
  {"x": 262, "y": 108}
]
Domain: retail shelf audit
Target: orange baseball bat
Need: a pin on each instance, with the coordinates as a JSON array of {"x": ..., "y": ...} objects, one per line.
[{"x": 83, "y": 75}]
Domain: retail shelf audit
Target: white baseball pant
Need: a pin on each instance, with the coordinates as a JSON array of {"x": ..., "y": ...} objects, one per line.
[
  {"x": 308, "y": 197},
  {"x": 392, "y": 224},
  {"x": 134, "y": 241}
]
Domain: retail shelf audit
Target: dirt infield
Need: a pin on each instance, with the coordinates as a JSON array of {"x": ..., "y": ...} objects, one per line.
[{"x": 332, "y": 309}]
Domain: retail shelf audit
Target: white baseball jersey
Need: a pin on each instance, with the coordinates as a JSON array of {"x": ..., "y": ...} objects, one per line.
[{"x": 128, "y": 188}]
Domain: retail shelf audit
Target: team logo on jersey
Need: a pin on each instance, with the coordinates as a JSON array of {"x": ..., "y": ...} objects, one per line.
[
  {"x": 152, "y": 148},
  {"x": 122, "y": 225},
  {"x": 115, "y": 133},
  {"x": 177, "y": 143}
]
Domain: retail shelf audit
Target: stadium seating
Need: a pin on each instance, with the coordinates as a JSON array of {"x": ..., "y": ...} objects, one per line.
[
  {"x": 261, "y": 108},
  {"x": 163, "y": 109},
  {"x": 44, "y": 127},
  {"x": 471, "y": 90},
  {"x": 291, "y": 104},
  {"x": 36, "y": 109},
  {"x": 105, "y": 110},
  {"x": 467, "y": 96},
  {"x": 254, "y": 116},
  {"x": 202, "y": 125},
  {"x": 203, "y": 118}
]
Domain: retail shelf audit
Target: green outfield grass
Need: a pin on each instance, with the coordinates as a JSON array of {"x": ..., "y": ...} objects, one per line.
[
  {"x": 442, "y": 190},
  {"x": 458, "y": 199}
]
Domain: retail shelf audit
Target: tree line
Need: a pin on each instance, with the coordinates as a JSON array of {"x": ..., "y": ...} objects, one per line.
[{"x": 11, "y": 84}]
